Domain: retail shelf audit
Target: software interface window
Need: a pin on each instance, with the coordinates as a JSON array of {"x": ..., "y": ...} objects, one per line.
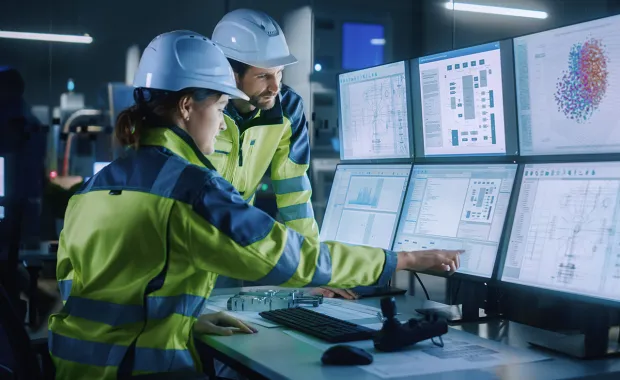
[
  {"x": 364, "y": 204},
  {"x": 457, "y": 207},
  {"x": 567, "y": 101},
  {"x": 373, "y": 111},
  {"x": 566, "y": 232},
  {"x": 463, "y": 102}
]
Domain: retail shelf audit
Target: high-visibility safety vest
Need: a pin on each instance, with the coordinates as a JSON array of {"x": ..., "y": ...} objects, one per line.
[
  {"x": 143, "y": 243},
  {"x": 273, "y": 142}
]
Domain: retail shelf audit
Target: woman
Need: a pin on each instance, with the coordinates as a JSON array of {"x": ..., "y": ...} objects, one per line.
[{"x": 145, "y": 238}]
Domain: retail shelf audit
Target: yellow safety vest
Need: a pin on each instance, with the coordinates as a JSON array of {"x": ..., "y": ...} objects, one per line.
[
  {"x": 273, "y": 142},
  {"x": 143, "y": 243}
]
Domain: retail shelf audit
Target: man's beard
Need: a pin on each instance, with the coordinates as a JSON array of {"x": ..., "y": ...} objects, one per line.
[{"x": 260, "y": 102}]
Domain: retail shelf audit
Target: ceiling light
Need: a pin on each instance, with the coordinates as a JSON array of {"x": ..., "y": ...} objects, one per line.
[
  {"x": 495, "y": 10},
  {"x": 85, "y": 39}
]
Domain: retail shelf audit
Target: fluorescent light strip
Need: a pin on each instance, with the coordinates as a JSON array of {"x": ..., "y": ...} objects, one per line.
[
  {"x": 377, "y": 41},
  {"x": 86, "y": 39},
  {"x": 465, "y": 7}
]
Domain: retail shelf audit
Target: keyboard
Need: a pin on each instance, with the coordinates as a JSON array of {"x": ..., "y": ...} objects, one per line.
[{"x": 321, "y": 326}]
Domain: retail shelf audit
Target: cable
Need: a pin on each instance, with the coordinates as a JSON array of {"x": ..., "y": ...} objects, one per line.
[
  {"x": 7, "y": 369},
  {"x": 455, "y": 293},
  {"x": 423, "y": 287}
]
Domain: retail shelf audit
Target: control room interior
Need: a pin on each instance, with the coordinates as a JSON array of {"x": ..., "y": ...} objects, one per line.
[{"x": 432, "y": 124}]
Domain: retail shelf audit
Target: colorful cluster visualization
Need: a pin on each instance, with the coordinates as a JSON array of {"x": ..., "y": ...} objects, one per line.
[{"x": 582, "y": 87}]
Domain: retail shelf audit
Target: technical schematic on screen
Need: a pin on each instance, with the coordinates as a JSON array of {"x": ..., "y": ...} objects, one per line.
[
  {"x": 374, "y": 115},
  {"x": 462, "y": 102},
  {"x": 457, "y": 207},
  {"x": 364, "y": 204},
  {"x": 566, "y": 232}
]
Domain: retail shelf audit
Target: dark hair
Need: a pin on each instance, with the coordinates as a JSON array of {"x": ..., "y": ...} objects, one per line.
[
  {"x": 239, "y": 68},
  {"x": 153, "y": 108}
]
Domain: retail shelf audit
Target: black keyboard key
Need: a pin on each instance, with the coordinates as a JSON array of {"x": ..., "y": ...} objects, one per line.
[{"x": 319, "y": 325}]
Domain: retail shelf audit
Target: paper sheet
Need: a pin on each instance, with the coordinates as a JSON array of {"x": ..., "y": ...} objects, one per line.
[
  {"x": 461, "y": 351},
  {"x": 346, "y": 310}
]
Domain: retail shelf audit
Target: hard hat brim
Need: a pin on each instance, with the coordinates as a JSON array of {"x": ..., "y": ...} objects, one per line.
[
  {"x": 233, "y": 92},
  {"x": 268, "y": 64}
]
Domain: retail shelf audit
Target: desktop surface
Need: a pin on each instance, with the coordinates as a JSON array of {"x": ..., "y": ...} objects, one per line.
[
  {"x": 566, "y": 231},
  {"x": 364, "y": 204},
  {"x": 457, "y": 207},
  {"x": 274, "y": 354},
  {"x": 566, "y": 95},
  {"x": 464, "y": 102},
  {"x": 375, "y": 120}
]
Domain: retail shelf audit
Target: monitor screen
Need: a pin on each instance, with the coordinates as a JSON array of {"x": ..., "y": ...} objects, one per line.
[
  {"x": 566, "y": 96},
  {"x": 364, "y": 204},
  {"x": 375, "y": 122},
  {"x": 566, "y": 232},
  {"x": 464, "y": 102},
  {"x": 97, "y": 166},
  {"x": 457, "y": 207}
]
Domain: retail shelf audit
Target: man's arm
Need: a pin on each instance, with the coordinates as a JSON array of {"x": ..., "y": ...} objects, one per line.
[{"x": 289, "y": 168}]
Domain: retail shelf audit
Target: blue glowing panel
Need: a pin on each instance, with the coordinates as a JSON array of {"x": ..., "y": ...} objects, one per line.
[{"x": 362, "y": 45}]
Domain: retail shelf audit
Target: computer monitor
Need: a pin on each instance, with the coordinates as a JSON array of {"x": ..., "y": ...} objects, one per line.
[
  {"x": 457, "y": 207},
  {"x": 97, "y": 166},
  {"x": 566, "y": 98},
  {"x": 566, "y": 231},
  {"x": 375, "y": 117},
  {"x": 464, "y": 102},
  {"x": 364, "y": 204}
]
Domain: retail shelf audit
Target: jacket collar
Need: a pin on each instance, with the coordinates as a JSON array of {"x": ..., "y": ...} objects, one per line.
[
  {"x": 178, "y": 142},
  {"x": 275, "y": 115}
]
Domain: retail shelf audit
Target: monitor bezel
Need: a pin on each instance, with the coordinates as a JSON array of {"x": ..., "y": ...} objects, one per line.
[
  {"x": 410, "y": 128},
  {"x": 400, "y": 207},
  {"x": 511, "y": 128},
  {"x": 554, "y": 156},
  {"x": 503, "y": 253},
  {"x": 468, "y": 276}
]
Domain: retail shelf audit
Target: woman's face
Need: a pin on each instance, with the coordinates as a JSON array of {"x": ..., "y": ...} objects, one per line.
[{"x": 204, "y": 120}]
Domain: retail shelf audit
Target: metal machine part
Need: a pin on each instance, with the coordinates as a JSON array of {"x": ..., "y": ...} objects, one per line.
[{"x": 271, "y": 300}]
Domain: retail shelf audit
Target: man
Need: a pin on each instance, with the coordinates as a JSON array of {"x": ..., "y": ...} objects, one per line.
[{"x": 267, "y": 134}]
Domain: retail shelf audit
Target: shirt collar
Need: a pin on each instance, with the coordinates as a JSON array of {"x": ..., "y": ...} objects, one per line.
[{"x": 179, "y": 142}]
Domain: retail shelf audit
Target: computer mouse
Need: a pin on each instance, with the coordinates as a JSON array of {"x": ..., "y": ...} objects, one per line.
[{"x": 344, "y": 354}]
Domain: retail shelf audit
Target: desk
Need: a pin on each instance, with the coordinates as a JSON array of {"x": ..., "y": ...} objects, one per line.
[{"x": 276, "y": 355}]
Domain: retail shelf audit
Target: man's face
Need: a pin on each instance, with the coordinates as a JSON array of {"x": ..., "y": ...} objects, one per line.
[{"x": 261, "y": 85}]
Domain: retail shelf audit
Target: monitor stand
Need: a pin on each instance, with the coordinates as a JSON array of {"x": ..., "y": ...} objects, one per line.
[
  {"x": 378, "y": 291},
  {"x": 468, "y": 311},
  {"x": 594, "y": 341}
]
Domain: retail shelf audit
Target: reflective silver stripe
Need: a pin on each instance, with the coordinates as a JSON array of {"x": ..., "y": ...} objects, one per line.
[
  {"x": 106, "y": 354},
  {"x": 323, "y": 270},
  {"x": 288, "y": 262}
]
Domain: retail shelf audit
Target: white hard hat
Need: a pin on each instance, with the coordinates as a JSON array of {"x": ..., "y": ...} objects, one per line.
[
  {"x": 254, "y": 38},
  {"x": 182, "y": 59}
]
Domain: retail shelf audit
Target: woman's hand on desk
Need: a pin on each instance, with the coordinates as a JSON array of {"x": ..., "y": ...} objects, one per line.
[
  {"x": 221, "y": 323},
  {"x": 328, "y": 292},
  {"x": 438, "y": 260}
]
